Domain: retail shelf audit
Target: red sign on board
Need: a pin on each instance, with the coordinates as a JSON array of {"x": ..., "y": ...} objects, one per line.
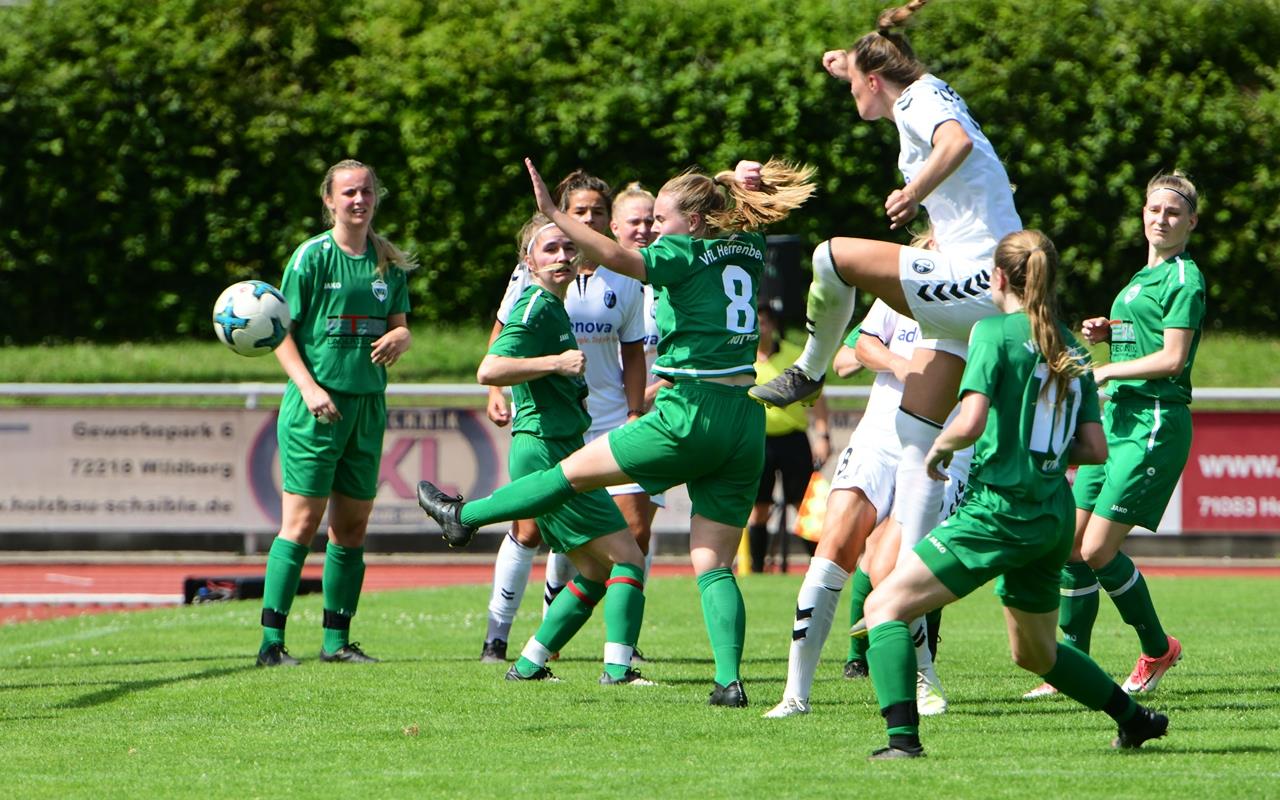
[{"x": 1232, "y": 481}]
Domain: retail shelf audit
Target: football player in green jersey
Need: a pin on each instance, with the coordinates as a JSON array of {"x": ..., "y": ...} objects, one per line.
[
  {"x": 347, "y": 293},
  {"x": 1154, "y": 331},
  {"x": 538, "y": 356},
  {"x": 587, "y": 198},
  {"x": 704, "y": 431},
  {"x": 1030, "y": 407}
]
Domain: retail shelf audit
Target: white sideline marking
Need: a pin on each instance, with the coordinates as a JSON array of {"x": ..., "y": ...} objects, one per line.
[
  {"x": 89, "y": 599},
  {"x": 70, "y": 580}
]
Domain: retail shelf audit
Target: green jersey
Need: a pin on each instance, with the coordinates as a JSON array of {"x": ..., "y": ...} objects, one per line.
[
  {"x": 706, "y": 311},
  {"x": 553, "y": 406},
  {"x": 1167, "y": 295},
  {"x": 1023, "y": 449},
  {"x": 340, "y": 305}
]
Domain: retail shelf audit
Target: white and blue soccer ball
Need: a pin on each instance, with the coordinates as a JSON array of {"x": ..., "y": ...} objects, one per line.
[{"x": 251, "y": 317}]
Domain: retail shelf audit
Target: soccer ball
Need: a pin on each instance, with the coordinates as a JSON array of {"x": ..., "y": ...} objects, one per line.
[{"x": 251, "y": 317}]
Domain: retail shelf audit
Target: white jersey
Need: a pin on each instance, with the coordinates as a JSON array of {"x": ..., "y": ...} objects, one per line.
[
  {"x": 606, "y": 310},
  {"x": 973, "y": 208},
  {"x": 870, "y": 461},
  {"x": 650, "y": 330},
  {"x": 901, "y": 335}
]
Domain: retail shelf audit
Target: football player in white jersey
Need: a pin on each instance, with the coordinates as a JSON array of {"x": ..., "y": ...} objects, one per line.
[
  {"x": 862, "y": 494},
  {"x": 606, "y": 310},
  {"x": 950, "y": 168}
]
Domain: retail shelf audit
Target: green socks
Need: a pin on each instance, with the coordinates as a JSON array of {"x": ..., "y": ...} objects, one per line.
[
  {"x": 284, "y": 569},
  {"x": 1129, "y": 592},
  {"x": 532, "y": 496},
  {"x": 623, "y": 613},
  {"x": 859, "y": 588},
  {"x": 726, "y": 619},
  {"x": 1080, "y": 678},
  {"x": 891, "y": 657},
  {"x": 1078, "y": 605},
  {"x": 343, "y": 577},
  {"x": 565, "y": 616}
]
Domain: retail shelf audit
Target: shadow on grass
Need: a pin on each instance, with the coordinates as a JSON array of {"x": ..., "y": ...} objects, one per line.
[
  {"x": 126, "y": 688},
  {"x": 139, "y": 662},
  {"x": 69, "y": 684},
  {"x": 1041, "y": 709},
  {"x": 1243, "y": 749}
]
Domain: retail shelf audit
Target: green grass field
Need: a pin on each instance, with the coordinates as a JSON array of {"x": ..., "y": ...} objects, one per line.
[{"x": 168, "y": 704}]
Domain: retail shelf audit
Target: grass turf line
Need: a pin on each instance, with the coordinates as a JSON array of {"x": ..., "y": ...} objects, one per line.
[{"x": 168, "y": 703}]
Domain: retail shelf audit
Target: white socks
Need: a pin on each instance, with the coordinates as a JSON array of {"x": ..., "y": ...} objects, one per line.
[
  {"x": 918, "y": 506},
  {"x": 815, "y": 609},
  {"x": 828, "y": 310},
  {"x": 510, "y": 577},
  {"x": 560, "y": 571},
  {"x": 920, "y": 638},
  {"x": 536, "y": 652}
]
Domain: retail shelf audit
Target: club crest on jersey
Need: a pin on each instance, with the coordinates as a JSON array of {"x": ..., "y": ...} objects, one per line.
[
  {"x": 610, "y": 299},
  {"x": 1133, "y": 292},
  {"x": 380, "y": 290},
  {"x": 922, "y": 266}
]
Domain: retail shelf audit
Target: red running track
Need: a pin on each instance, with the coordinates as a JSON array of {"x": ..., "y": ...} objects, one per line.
[
  {"x": 111, "y": 580},
  {"x": 59, "y": 580}
]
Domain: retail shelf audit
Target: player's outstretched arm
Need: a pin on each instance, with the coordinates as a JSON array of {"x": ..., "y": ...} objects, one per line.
[{"x": 595, "y": 246}]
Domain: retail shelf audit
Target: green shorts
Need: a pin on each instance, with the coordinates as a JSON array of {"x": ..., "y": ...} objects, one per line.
[
  {"x": 586, "y": 516},
  {"x": 319, "y": 458},
  {"x": 1148, "y": 443},
  {"x": 991, "y": 535},
  {"x": 708, "y": 436}
]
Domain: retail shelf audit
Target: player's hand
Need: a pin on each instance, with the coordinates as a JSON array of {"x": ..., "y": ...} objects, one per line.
[
  {"x": 651, "y": 391},
  {"x": 747, "y": 174},
  {"x": 546, "y": 203},
  {"x": 1096, "y": 329},
  {"x": 1102, "y": 374},
  {"x": 901, "y": 208},
  {"x": 571, "y": 363},
  {"x": 821, "y": 451},
  {"x": 388, "y": 347},
  {"x": 321, "y": 406},
  {"x": 497, "y": 409},
  {"x": 836, "y": 63},
  {"x": 937, "y": 461}
]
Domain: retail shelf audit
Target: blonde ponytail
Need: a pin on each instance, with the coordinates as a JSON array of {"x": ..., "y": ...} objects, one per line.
[{"x": 1030, "y": 261}]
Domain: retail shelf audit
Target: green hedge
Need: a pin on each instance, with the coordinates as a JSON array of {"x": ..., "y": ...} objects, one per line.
[{"x": 154, "y": 152}]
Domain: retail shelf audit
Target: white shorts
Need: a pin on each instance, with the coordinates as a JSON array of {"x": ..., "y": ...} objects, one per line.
[
  {"x": 659, "y": 500},
  {"x": 870, "y": 463},
  {"x": 946, "y": 295}
]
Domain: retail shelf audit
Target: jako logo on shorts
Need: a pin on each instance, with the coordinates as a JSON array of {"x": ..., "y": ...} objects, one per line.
[{"x": 933, "y": 540}]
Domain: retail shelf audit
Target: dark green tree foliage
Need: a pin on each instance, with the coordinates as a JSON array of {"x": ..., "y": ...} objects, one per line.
[{"x": 151, "y": 153}]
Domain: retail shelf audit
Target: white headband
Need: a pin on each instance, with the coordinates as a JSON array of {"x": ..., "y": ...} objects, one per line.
[{"x": 528, "y": 251}]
